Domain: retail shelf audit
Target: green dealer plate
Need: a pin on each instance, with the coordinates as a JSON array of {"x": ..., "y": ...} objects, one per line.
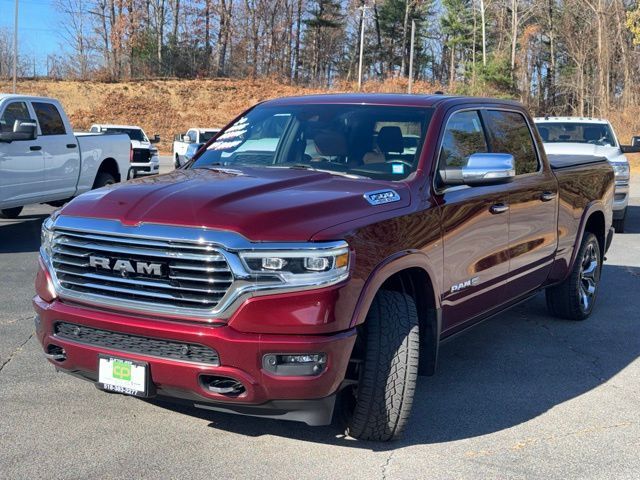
[{"x": 123, "y": 376}]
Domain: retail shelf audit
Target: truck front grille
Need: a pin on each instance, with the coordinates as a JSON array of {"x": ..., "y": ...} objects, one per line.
[
  {"x": 154, "y": 347},
  {"x": 147, "y": 272}
]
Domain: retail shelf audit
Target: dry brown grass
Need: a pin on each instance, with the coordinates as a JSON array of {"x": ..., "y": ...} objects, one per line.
[{"x": 168, "y": 107}]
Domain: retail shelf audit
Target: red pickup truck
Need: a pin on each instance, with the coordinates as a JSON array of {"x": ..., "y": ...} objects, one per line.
[{"x": 312, "y": 256}]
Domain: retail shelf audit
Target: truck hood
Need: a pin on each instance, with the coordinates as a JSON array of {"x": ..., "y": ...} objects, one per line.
[
  {"x": 262, "y": 204},
  {"x": 613, "y": 154}
]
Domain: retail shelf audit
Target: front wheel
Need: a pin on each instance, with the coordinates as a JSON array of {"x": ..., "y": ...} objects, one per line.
[
  {"x": 177, "y": 162},
  {"x": 381, "y": 400},
  {"x": 574, "y": 298},
  {"x": 11, "y": 212}
]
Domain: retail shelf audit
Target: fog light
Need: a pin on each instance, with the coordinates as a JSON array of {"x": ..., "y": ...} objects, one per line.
[{"x": 293, "y": 365}]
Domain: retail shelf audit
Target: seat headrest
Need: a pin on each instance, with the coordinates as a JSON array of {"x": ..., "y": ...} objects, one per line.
[
  {"x": 331, "y": 143},
  {"x": 390, "y": 140}
]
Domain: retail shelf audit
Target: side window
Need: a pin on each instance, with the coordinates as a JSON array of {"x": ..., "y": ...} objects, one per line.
[
  {"x": 463, "y": 137},
  {"x": 14, "y": 111},
  {"x": 509, "y": 133},
  {"x": 49, "y": 119}
]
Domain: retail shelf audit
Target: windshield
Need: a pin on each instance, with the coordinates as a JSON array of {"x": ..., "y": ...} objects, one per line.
[
  {"x": 208, "y": 135},
  {"x": 365, "y": 140},
  {"x": 134, "y": 133},
  {"x": 571, "y": 132}
]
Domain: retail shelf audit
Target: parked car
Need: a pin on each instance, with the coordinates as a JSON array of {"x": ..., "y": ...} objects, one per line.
[
  {"x": 43, "y": 161},
  {"x": 197, "y": 136},
  {"x": 591, "y": 136},
  {"x": 145, "y": 160},
  {"x": 315, "y": 263}
]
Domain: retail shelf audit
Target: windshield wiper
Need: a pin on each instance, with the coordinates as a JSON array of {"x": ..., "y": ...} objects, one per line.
[{"x": 304, "y": 166}]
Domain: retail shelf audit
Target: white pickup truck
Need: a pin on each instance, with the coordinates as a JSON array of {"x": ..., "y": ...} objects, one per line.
[
  {"x": 594, "y": 137},
  {"x": 194, "y": 135},
  {"x": 43, "y": 161},
  {"x": 145, "y": 159}
]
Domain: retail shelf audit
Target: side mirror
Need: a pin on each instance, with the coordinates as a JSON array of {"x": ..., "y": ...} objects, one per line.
[
  {"x": 635, "y": 148},
  {"x": 187, "y": 138},
  {"x": 22, "y": 130},
  {"x": 155, "y": 139},
  {"x": 482, "y": 169},
  {"x": 635, "y": 140}
]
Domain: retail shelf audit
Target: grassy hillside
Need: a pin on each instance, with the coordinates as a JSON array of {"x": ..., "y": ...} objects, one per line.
[{"x": 167, "y": 107}]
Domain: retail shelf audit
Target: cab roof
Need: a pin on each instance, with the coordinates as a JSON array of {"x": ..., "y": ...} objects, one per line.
[{"x": 388, "y": 99}]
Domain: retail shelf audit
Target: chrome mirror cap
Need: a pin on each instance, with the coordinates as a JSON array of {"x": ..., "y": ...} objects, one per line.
[{"x": 488, "y": 168}]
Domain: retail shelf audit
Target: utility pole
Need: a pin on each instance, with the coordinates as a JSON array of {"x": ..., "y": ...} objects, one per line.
[
  {"x": 15, "y": 48},
  {"x": 364, "y": 8},
  {"x": 411, "y": 50}
]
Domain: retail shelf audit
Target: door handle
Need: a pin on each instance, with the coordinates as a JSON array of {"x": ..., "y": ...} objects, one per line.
[
  {"x": 35, "y": 148},
  {"x": 547, "y": 196},
  {"x": 71, "y": 145},
  {"x": 499, "y": 208}
]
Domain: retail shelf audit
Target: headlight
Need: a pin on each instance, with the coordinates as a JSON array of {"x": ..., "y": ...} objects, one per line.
[
  {"x": 299, "y": 268},
  {"x": 46, "y": 235},
  {"x": 621, "y": 170}
]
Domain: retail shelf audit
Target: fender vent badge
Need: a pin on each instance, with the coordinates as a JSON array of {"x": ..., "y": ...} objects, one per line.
[{"x": 380, "y": 197}]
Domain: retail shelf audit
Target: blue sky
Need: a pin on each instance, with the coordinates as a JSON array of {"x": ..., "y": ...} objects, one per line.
[{"x": 38, "y": 28}]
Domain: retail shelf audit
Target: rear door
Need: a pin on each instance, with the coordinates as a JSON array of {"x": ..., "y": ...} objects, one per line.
[
  {"x": 533, "y": 201},
  {"x": 21, "y": 161},
  {"x": 60, "y": 150},
  {"x": 475, "y": 228}
]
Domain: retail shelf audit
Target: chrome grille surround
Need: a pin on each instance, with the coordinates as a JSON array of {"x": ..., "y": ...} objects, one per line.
[{"x": 206, "y": 281}]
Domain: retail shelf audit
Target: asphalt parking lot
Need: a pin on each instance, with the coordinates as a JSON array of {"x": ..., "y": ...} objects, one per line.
[{"x": 520, "y": 396}]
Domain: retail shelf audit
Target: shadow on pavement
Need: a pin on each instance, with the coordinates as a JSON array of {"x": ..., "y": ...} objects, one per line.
[
  {"x": 632, "y": 223},
  {"x": 21, "y": 235},
  {"x": 504, "y": 372}
]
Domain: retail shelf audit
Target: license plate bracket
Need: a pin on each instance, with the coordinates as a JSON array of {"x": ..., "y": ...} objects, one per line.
[{"x": 122, "y": 375}]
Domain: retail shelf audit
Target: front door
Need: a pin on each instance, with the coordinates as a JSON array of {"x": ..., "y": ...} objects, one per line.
[
  {"x": 475, "y": 227},
  {"x": 60, "y": 150},
  {"x": 21, "y": 161}
]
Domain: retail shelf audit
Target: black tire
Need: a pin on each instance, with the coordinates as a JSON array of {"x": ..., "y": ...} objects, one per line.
[
  {"x": 618, "y": 224},
  {"x": 384, "y": 393},
  {"x": 103, "y": 179},
  {"x": 11, "y": 212},
  {"x": 177, "y": 162},
  {"x": 574, "y": 298}
]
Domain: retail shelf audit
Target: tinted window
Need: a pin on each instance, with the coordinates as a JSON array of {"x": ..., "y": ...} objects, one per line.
[
  {"x": 571, "y": 132},
  {"x": 206, "y": 136},
  {"x": 509, "y": 133},
  {"x": 14, "y": 111},
  {"x": 133, "y": 133},
  {"x": 49, "y": 119},
  {"x": 363, "y": 140},
  {"x": 463, "y": 137}
]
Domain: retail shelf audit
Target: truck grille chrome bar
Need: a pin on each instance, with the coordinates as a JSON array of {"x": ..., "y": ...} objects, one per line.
[{"x": 184, "y": 275}]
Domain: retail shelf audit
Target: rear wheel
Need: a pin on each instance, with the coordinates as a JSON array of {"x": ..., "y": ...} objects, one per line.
[
  {"x": 574, "y": 298},
  {"x": 11, "y": 212},
  {"x": 103, "y": 179},
  {"x": 379, "y": 405}
]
